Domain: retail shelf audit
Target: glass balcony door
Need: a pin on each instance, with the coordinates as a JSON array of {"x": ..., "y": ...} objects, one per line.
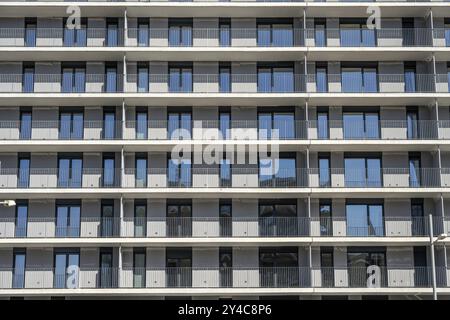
[
  {"x": 70, "y": 172},
  {"x": 21, "y": 220},
  {"x": 277, "y": 80},
  {"x": 141, "y": 172},
  {"x": 279, "y": 267},
  {"x": 179, "y": 220},
  {"x": 180, "y": 79},
  {"x": 412, "y": 125},
  {"x": 224, "y": 34},
  {"x": 66, "y": 270},
  {"x": 276, "y": 35},
  {"x": 25, "y": 125},
  {"x": 225, "y": 172},
  {"x": 321, "y": 79},
  {"x": 359, "y": 80},
  {"x": 327, "y": 263},
  {"x": 30, "y": 33},
  {"x": 23, "y": 179},
  {"x": 179, "y": 173},
  {"x": 109, "y": 125},
  {"x": 74, "y": 80},
  {"x": 179, "y": 125},
  {"x": 225, "y": 219},
  {"x": 276, "y": 125},
  {"x": 358, "y": 259},
  {"x": 361, "y": 125},
  {"x": 111, "y": 79},
  {"x": 357, "y": 35},
  {"x": 71, "y": 126},
  {"x": 143, "y": 79},
  {"x": 140, "y": 219},
  {"x": 225, "y": 125},
  {"x": 414, "y": 172},
  {"x": 19, "y": 264},
  {"x": 112, "y": 33},
  {"x": 139, "y": 271},
  {"x": 106, "y": 268},
  {"x": 75, "y": 37},
  {"x": 320, "y": 37},
  {"x": 362, "y": 172},
  {"x": 278, "y": 218},
  {"x": 410, "y": 80},
  {"x": 143, "y": 32},
  {"x": 28, "y": 80},
  {"x": 180, "y": 33},
  {"x": 107, "y": 219},
  {"x": 109, "y": 171},
  {"x": 365, "y": 220},
  {"x": 141, "y": 125},
  {"x": 325, "y": 216},
  {"x": 178, "y": 267},
  {"x": 225, "y": 79},
  {"x": 323, "y": 129},
  {"x": 225, "y": 267},
  {"x": 68, "y": 220},
  {"x": 417, "y": 218},
  {"x": 324, "y": 171},
  {"x": 279, "y": 172}
]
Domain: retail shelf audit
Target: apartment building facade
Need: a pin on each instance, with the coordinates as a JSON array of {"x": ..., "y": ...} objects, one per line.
[{"x": 109, "y": 120}]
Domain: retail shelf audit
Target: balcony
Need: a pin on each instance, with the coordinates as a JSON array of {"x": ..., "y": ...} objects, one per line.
[
  {"x": 201, "y": 177},
  {"x": 211, "y": 130},
  {"x": 220, "y": 227},
  {"x": 230, "y": 37},
  {"x": 261, "y": 83},
  {"x": 218, "y": 277}
]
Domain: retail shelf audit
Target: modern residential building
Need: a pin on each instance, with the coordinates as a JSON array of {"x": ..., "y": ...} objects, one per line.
[{"x": 109, "y": 120}]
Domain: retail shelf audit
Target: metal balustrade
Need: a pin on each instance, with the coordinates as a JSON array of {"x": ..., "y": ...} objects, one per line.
[
  {"x": 234, "y": 177},
  {"x": 55, "y": 178},
  {"x": 61, "y": 37},
  {"x": 262, "y": 83},
  {"x": 379, "y": 178},
  {"x": 237, "y": 130},
  {"x": 60, "y": 130},
  {"x": 213, "y": 83},
  {"x": 230, "y": 37},
  {"x": 221, "y": 277},
  {"x": 78, "y": 83},
  {"x": 215, "y": 227}
]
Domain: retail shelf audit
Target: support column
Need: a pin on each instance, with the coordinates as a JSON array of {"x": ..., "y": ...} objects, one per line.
[
  {"x": 123, "y": 120},
  {"x": 433, "y": 57},
  {"x": 119, "y": 273},
  {"x": 436, "y": 110},
  {"x": 305, "y": 62},
  {"x": 122, "y": 168},
  {"x": 307, "y": 119},
  {"x": 308, "y": 173},
  {"x": 124, "y": 74}
]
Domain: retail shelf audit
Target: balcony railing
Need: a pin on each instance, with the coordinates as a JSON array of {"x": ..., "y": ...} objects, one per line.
[
  {"x": 55, "y": 178},
  {"x": 235, "y": 130},
  {"x": 230, "y": 37},
  {"x": 220, "y": 277},
  {"x": 61, "y": 83},
  {"x": 214, "y": 177},
  {"x": 266, "y": 83},
  {"x": 61, "y": 37},
  {"x": 215, "y": 227}
]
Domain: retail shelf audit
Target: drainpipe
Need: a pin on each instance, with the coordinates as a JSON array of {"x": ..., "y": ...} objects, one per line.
[
  {"x": 125, "y": 31},
  {"x": 433, "y": 261}
]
